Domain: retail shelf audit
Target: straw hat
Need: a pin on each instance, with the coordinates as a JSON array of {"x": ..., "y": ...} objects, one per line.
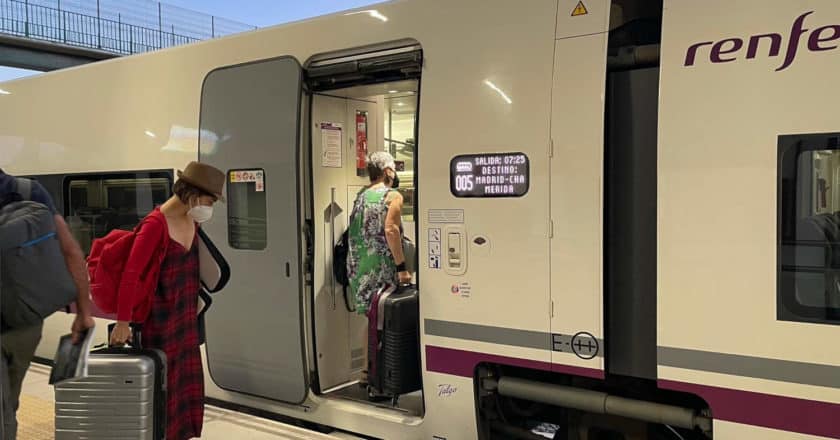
[{"x": 204, "y": 177}]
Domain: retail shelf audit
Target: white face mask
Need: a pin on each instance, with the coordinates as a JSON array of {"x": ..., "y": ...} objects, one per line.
[{"x": 201, "y": 213}]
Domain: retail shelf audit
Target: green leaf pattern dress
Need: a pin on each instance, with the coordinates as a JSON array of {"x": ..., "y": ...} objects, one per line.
[{"x": 370, "y": 263}]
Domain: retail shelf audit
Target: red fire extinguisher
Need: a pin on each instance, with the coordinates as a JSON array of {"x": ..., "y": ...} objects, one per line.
[{"x": 361, "y": 143}]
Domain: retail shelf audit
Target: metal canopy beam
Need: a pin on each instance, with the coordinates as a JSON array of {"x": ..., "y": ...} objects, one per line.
[{"x": 30, "y": 54}]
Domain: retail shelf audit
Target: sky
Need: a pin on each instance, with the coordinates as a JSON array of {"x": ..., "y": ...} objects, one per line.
[
  {"x": 268, "y": 12},
  {"x": 255, "y": 12}
]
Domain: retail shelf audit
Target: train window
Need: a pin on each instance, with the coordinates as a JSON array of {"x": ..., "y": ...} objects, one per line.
[
  {"x": 95, "y": 204},
  {"x": 247, "y": 209},
  {"x": 809, "y": 228},
  {"x": 52, "y": 183}
]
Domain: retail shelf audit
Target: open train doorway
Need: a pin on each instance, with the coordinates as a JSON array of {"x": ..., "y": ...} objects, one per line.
[{"x": 359, "y": 104}]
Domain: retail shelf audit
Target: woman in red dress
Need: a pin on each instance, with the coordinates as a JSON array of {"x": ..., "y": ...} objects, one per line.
[{"x": 166, "y": 244}]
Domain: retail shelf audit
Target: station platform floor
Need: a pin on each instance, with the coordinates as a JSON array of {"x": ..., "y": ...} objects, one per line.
[{"x": 36, "y": 417}]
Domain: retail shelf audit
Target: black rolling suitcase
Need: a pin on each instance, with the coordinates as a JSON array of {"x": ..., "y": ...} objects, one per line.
[
  {"x": 394, "y": 342},
  {"x": 123, "y": 397}
]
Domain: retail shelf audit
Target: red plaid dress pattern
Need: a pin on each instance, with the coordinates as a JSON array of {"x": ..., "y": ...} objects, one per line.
[{"x": 173, "y": 328}]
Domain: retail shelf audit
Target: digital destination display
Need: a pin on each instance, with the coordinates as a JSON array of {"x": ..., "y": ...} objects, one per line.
[{"x": 489, "y": 175}]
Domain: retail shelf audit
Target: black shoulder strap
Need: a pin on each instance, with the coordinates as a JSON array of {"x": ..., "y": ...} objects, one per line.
[
  {"x": 347, "y": 305},
  {"x": 24, "y": 188}
]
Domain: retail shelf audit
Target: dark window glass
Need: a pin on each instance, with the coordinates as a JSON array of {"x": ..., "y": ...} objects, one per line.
[
  {"x": 95, "y": 204},
  {"x": 247, "y": 209},
  {"x": 809, "y": 228}
]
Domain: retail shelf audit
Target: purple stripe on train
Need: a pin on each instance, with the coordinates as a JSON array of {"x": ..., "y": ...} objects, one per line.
[
  {"x": 746, "y": 407},
  {"x": 803, "y": 416},
  {"x": 770, "y": 44},
  {"x": 462, "y": 363}
]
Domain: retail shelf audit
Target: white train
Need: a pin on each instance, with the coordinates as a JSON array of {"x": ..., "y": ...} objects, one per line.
[{"x": 625, "y": 211}]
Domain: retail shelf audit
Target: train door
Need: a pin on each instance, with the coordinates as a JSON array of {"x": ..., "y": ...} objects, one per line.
[
  {"x": 363, "y": 100},
  {"x": 576, "y": 189},
  {"x": 255, "y": 336},
  {"x": 384, "y": 116},
  {"x": 339, "y": 332}
]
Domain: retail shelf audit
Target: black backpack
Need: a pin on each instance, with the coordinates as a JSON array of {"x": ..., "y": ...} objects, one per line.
[{"x": 340, "y": 252}]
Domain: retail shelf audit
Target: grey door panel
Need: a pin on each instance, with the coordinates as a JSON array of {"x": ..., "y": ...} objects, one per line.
[{"x": 250, "y": 120}]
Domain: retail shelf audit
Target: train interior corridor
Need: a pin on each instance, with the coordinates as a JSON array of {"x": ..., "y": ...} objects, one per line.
[{"x": 346, "y": 125}]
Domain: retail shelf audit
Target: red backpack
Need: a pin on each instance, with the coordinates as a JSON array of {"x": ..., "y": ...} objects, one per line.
[{"x": 106, "y": 263}]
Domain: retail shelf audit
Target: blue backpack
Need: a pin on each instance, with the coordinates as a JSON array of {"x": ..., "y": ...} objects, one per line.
[{"x": 34, "y": 280}]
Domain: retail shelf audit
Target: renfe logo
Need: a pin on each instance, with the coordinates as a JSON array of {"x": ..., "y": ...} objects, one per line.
[{"x": 727, "y": 50}]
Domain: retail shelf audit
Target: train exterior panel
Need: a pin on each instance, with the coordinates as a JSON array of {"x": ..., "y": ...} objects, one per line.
[
  {"x": 723, "y": 331},
  {"x": 746, "y": 136}
]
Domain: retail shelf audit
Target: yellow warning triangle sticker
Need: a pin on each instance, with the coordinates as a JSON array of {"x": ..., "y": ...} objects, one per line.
[{"x": 580, "y": 9}]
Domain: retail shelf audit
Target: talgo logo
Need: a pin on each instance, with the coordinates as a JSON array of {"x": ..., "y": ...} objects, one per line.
[{"x": 731, "y": 49}]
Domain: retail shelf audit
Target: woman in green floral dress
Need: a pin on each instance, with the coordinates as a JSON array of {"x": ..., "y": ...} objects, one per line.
[{"x": 375, "y": 254}]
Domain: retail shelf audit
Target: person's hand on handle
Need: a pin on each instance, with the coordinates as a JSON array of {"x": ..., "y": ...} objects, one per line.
[
  {"x": 82, "y": 322},
  {"x": 121, "y": 334},
  {"x": 404, "y": 277}
]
